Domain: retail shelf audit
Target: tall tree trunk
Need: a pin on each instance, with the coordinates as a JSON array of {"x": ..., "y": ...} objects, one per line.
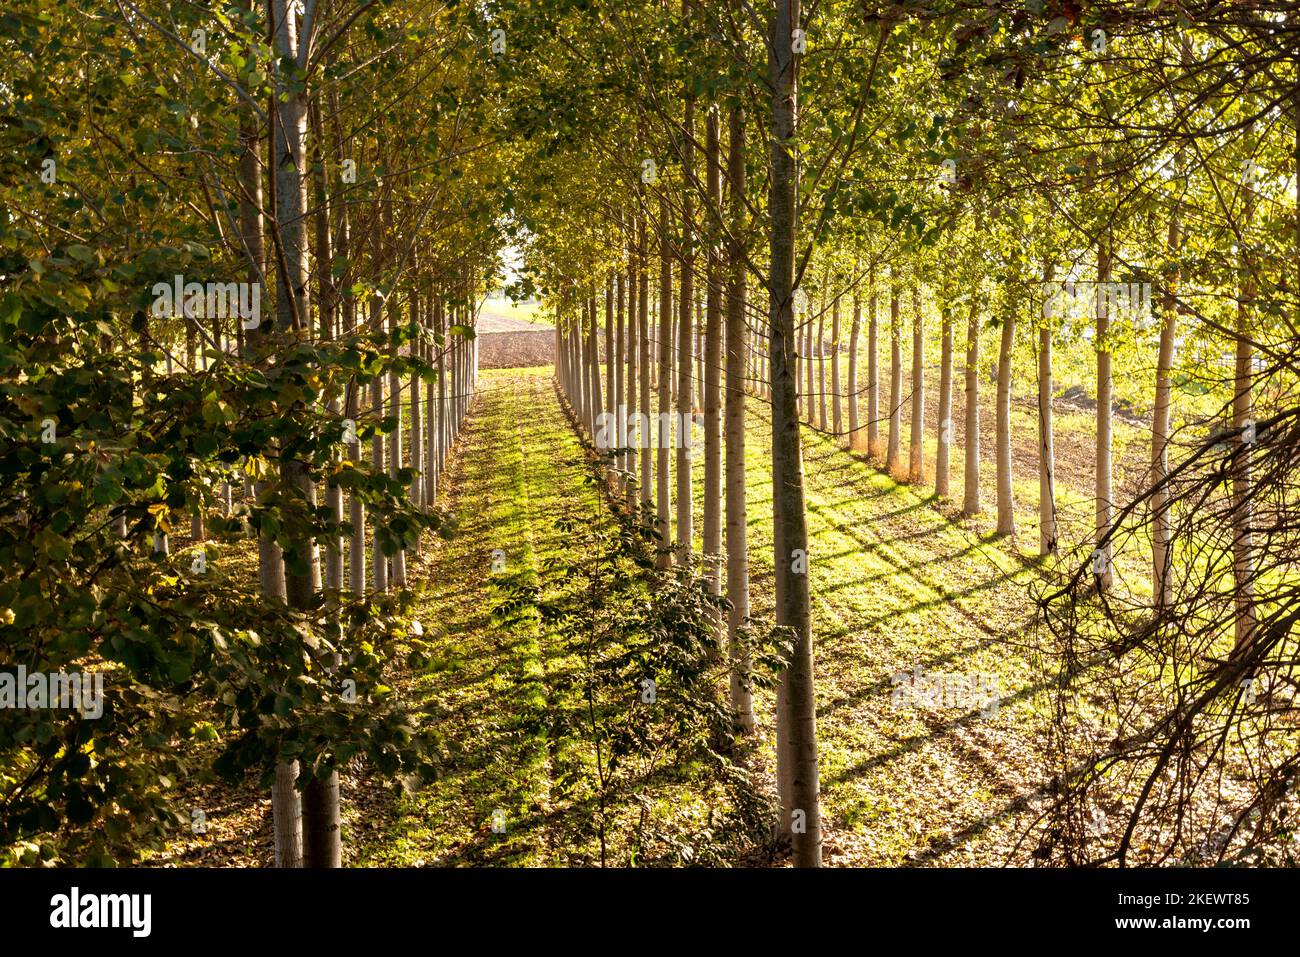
[
  {"x": 431, "y": 464},
  {"x": 632, "y": 373},
  {"x": 1243, "y": 405},
  {"x": 356, "y": 508},
  {"x": 197, "y": 532},
  {"x": 579, "y": 382},
  {"x": 443, "y": 428},
  {"x": 417, "y": 413},
  {"x": 396, "y": 452},
  {"x": 1161, "y": 525},
  {"x": 711, "y": 544},
  {"x": 270, "y": 559},
  {"x": 837, "y": 411},
  {"x": 379, "y": 560},
  {"x": 798, "y": 783},
  {"x": 1047, "y": 531},
  {"x": 286, "y": 801},
  {"x": 456, "y": 382},
  {"x": 611, "y": 371},
  {"x": 1006, "y": 502},
  {"x": 821, "y": 370},
  {"x": 800, "y": 351},
  {"x": 810, "y": 376},
  {"x": 649, "y": 432},
  {"x": 560, "y": 376},
  {"x": 320, "y": 805},
  {"x": 742, "y": 696},
  {"x": 327, "y": 307},
  {"x": 617, "y": 396},
  {"x": 856, "y": 437},
  {"x": 873, "y": 371},
  {"x": 892, "y": 455},
  {"x": 943, "y": 455},
  {"x": 352, "y": 399},
  {"x": 916, "y": 449},
  {"x": 698, "y": 378},
  {"x": 971, "y": 500},
  {"x": 1104, "y": 386},
  {"x": 664, "y": 429},
  {"x": 685, "y": 321},
  {"x": 597, "y": 402}
]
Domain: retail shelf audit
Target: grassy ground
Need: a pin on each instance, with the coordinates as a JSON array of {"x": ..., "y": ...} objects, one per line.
[
  {"x": 520, "y": 468},
  {"x": 901, "y": 584},
  {"x": 504, "y": 697},
  {"x": 898, "y": 586}
]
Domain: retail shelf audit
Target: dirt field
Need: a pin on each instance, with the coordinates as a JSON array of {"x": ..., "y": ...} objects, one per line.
[{"x": 516, "y": 350}]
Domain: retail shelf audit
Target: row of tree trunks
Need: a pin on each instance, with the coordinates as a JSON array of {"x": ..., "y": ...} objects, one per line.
[
  {"x": 667, "y": 345},
  {"x": 703, "y": 361},
  {"x": 860, "y": 436},
  {"x": 283, "y": 156}
]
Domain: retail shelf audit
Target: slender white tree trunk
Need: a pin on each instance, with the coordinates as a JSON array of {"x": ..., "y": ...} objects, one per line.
[
  {"x": 1006, "y": 500},
  {"x": 663, "y": 428},
  {"x": 597, "y": 402},
  {"x": 894, "y": 452},
  {"x": 742, "y": 696},
  {"x": 378, "y": 559},
  {"x": 810, "y": 377},
  {"x": 685, "y": 346},
  {"x": 617, "y": 396},
  {"x": 431, "y": 464},
  {"x": 1243, "y": 405},
  {"x": 873, "y": 372},
  {"x": 1047, "y": 530},
  {"x": 1104, "y": 383},
  {"x": 837, "y": 408},
  {"x": 631, "y": 373},
  {"x": 797, "y": 777},
  {"x": 1161, "y": 525},
  {"x": 943, "y": 454},
  {"x": 396, "y": 453},
  {"x": 971, "y": 504},
  {"x": 649, "y": 432},
  {"x": 712, "y": 373},
  {"x": 417, "y": 414},
  {"x": 856, "y": 436},
  {"x": 320, "y": 806},
  {"x": 916, "y": 450},
  {"x": 611, "y": 371},
  {"x": 821, "y": 370}
]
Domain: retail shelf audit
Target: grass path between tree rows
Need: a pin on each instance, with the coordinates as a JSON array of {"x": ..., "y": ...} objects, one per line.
[
  {"x": 492, "y": 691},
  {"x": 897, "y": 586}
]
